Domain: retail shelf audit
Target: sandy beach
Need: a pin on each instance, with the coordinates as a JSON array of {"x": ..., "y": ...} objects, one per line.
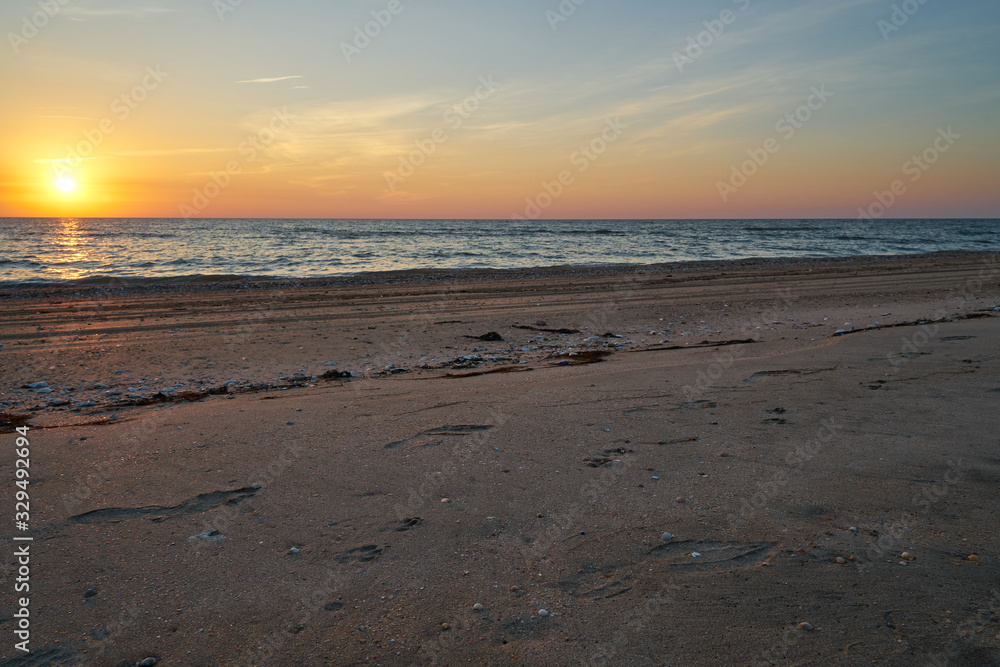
[{"x": 771, "y": 462}]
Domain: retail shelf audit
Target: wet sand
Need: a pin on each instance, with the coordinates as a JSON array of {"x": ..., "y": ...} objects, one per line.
[{"x": 228, "y": 496}]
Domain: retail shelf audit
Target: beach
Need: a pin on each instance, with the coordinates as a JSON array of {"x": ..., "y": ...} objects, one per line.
[{"x": 707, "y": 463}]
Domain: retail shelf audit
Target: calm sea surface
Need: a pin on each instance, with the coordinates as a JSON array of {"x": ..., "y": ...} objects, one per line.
[{"x": 91, "y": 250}]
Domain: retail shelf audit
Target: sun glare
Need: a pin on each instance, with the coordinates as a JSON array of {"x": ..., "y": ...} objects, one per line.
[{"x": 66, "y": 184}]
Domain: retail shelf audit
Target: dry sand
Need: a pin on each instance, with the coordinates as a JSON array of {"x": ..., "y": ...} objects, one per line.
[{"x": 255, "y": 512}]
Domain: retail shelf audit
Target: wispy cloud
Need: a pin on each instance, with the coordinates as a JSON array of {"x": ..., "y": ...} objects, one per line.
[
  {"x": 67, "y": 160},
  {"x": 366, "y": 130},
  {"x": 160, "y": 152},
  {"x": 170, "y": 151},
  {"x": 277, "y": 78},
  {"x": 78, "y": 13}
]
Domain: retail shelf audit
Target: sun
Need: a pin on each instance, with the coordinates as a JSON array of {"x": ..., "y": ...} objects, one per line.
[{"x": 65, "y": 184}]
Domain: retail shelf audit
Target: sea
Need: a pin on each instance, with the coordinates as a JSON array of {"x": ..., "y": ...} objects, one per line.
[{"x": 94, "y": 251}]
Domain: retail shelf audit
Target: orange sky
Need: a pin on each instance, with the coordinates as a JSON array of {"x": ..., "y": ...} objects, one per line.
[{"x": 162, "y": 109}]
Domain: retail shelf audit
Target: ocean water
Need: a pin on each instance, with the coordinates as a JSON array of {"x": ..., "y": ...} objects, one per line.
[{"x": 36, "y": 251}]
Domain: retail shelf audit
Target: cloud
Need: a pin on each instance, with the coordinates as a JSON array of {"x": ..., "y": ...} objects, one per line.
[
  {"x": 170, "y": 151},
  {"x": 74, "y": 11},
  {"x": 366, "y": 130},
  {"x": 277, "y": 78},
  {"x": 67, "y": 160}
]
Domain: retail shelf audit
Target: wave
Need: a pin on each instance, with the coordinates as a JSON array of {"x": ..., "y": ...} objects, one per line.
[
  {"x": 781, "y": 229},
  {"x": 19, "y": 262},
  {"x": 177, "y": 249},
  {"x": 591, "y": 232}
]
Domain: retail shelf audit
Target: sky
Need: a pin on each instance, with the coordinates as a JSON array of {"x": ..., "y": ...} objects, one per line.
[{"x": 522, "y": 108}]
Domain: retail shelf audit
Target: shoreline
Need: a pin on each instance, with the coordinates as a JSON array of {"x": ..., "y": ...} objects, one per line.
[
  {"x": 107, "y": 286},
  {"x": 422, "y": 324}
]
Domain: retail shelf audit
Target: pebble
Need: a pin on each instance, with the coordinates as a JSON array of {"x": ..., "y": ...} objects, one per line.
[
  {"x": 478, "y": 607},
  {"x": 904, "y": 562},
  {"x": 543, "y": 612},
  {"x": 446, "y": 500},
  {"x": 666, "y": 537},
  {"x": 212, "y": 536},
  {"x": 43, "y": 390},
  {"x": 89, "y": 593},
  {"x": 446, "y": 626},
  {"x": 330, "y": 363},
  {"x": 291, "y": 423},
  {"x": 695, "y": 554},
  {"x": 680, "y": 500},
  {"x": 655, "y": 477},
  {"x": 148, "y": 662},
  {"x": 839, "y": 560},
  {"x": 294, "y": 550},
  {"x": 906, "y": 555},
  {"x": 806, "y": 626},
  {"x": 38, "y": 385},
  {"x": 974, "y": 558}
]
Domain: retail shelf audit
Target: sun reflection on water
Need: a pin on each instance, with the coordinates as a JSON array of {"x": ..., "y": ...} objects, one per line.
[{"x": 71, "y": 245}]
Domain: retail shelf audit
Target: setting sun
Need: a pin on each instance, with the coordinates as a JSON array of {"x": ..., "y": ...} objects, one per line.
[{"x": 66, "y": 184}]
